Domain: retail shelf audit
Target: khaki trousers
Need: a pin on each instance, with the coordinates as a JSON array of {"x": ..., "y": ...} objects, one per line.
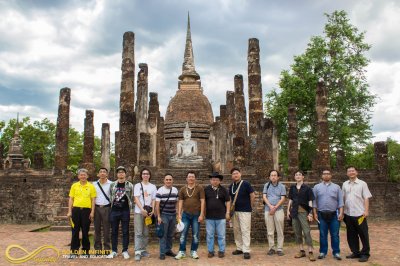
[
  {"x": 275, "y": 222},
  {"x": 241, "y": 230}
]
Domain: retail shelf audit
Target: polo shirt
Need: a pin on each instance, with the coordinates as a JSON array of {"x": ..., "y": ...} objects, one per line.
[
  {"x": 100, "y": 199},
  {"x": 300, "y": 198},
  {"x": 82, "y": 195},
  {"x": 243, "y": 202},
  {"x": 354, "y": 195},
  {"x": 274, "y": 194},
  {"x": 216, "y": 202},
  {"x": 328, "y": 197}
]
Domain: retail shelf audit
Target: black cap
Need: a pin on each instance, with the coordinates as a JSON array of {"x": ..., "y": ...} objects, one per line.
[
  {"x": 216, "y": 174},
  {"x": 121, "y": 168}
]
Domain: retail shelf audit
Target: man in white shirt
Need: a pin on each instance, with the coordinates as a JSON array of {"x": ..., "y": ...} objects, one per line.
[
  {"x": 145, "y": 195},
  {"x": 102, "y": 212},
  {"x": 356, "y": 210}
]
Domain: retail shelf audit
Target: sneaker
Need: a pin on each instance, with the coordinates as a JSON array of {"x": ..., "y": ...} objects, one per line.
[
  {"x": 280, "y": 253},
  {"x": 337, "y": 256},
  {"x": 112, "y": 255},
  {"x": 363, "y": 258},
  {"x": 170, "y": 254},
  {"x": 137, "y": 256},
  {"x": 271, "y": 252},
  {"x": 145, "y": 254},
  {"x": 221, "y": 254},
  {"x": 353, "y": 256},
  {"x": 194, "y": 254},
  {"x": 162, "y": 257},
  {"x": 181, "y": 255},
  {"x": 125, "y": 254},
  {"x": 237, "y": 252},
  {"x": 300, "y": 254},
  {"x": 311, "y": 256},
  {"x": 211, "y": 254},
  {"x": 321, "y": 256},
  {"x": 246, "y": 255}
]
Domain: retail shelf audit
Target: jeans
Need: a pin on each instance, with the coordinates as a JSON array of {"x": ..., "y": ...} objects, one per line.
[
  {"x": 219, "y": 227},
  {"x": 190, "y": 220},
  {"x": 333, "y": 226},
  {"x": 169, "y": 222},
  {"x": 141, "y": 234},
  {"x": 117, "y": 216}
]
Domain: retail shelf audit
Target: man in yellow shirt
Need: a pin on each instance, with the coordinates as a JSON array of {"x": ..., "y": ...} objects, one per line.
[{"x": 82, "y": 198}]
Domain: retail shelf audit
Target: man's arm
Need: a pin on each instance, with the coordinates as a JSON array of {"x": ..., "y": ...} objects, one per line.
[
  {"x": 180, "y": 205},
  {"x": 228, "y": 210},
  {"x": 288, "y": 209},
  {"x": 366, "y": 207},
  {"x": 70, "y": 204},
  {"x": 93, "y": 207},
  {"x": 157, "y": 206},
  {"x": 202, "y": 209},
  {"x": 139, "y": 204},
  {"x": 252, "y": 198}
]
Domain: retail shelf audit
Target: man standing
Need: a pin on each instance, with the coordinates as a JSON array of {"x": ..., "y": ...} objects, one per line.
[
  {"x": 145, "y": 196},
  {"x": 327, "y": 204},
  {"x": 102, "y": 212},
  {"x": 166, "y": 205},
  {"x": 242, "y": 196},
  {"x": 274, "y": 194},
  {"x": 191, "y": 210},
  {"x": 81, "y": 206},
  {"x": 217, "y": 212},
  {"x": 356, "y": 211},
  {"x": 121, "y": 195}
]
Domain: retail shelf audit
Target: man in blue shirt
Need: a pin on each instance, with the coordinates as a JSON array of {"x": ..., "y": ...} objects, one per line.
[
  {"x": 242, "y": 197},
  {"x": 328, "y": 212}
]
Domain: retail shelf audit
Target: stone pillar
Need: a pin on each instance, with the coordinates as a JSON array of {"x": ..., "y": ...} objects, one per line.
[
  {"x": 230, "y": 110},
  {"x": 321, "y": 103},
  {"x": 127, "y": 122},
  {"x": 38, "y": 162},
  {"x": 105, "y": 145},
  {"x": 239, "y": 141},
  {"x": 152, "y": 119},
  {"x": 117, "y": 149},
  {"x": 141, "y": 108},
  {"x": 255, "y": 89},
  {"x": 161, "y": 152},
  {"x": 88, "y": 143},
  {"x": 293, "y": 144},
  {"x": 62, "y": 131},
  {"x": 144, "y": 149},
  {"x": 340, "y": 160},
  {"x": 1, "y": 155},
  {"x": 263, "y": 157},
  {"x": 381, "y": 160}
]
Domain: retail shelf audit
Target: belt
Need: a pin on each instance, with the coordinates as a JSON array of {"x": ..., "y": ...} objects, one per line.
[
  {"x": 81, "y": 208},
  {"x": 103, "y": 206}
]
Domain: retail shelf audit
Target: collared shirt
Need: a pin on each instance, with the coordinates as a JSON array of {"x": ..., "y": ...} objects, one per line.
[
  {"x": 82, "y": 194},
  {"x": 300, "y": 198},
  {"x": 274, "y": 194},
  {"x": 355, "y": 192},
  {"x": 216, "y": 199},
  {"x": 328, "y": 197},
  {"x": 243, "y": 201},
  {"x": 100, "y": 199}
]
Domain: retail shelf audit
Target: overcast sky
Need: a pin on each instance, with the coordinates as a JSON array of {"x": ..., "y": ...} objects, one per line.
[{"x": 47, "y": 45}]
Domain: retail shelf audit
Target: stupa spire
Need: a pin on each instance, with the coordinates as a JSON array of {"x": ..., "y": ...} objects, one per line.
[{"x": 188, "y": 68}]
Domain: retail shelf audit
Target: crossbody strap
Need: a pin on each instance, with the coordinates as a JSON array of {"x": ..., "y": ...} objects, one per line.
[
  {"x": 237, "y": 193},
  {"x": 169, "y": 195},
  {"x": 107, "y": 198}
]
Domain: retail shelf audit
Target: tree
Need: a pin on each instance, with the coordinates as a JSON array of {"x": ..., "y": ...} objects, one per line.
[{"x": 338, "y": 56}]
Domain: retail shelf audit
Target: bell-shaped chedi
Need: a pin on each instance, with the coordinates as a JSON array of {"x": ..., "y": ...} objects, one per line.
[{"x": 188, "y": 105}]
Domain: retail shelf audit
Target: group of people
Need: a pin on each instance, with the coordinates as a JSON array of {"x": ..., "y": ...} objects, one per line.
[{"x": 109, "y": 204}]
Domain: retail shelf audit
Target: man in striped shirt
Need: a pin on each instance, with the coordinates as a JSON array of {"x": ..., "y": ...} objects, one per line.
[{"x": 166, "y": 205}]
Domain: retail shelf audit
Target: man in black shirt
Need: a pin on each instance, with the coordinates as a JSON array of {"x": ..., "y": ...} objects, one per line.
[{"x": 217, "y": 212}]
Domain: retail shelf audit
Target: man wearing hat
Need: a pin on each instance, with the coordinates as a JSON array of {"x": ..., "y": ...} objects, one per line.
[
  {"x": 121, "y": 195},
  {"x": 217, "y": 213}
]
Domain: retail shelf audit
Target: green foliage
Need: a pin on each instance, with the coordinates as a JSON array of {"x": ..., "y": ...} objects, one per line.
[
  {"x": 337, "y": 57},
  {"x": 394, "y": 160}
]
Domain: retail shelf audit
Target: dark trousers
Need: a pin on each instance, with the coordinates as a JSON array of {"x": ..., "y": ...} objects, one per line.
[
  {"x": 355, "y": 232},
  {"x": 81, "y": 219},
  {"x": 123, "y": 217},
  {"x": 102, "y": 228}
]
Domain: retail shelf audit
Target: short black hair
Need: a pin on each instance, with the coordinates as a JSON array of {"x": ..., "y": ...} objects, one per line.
[
  {"x": 191, "y": 172},
  {"x": 103, "y": 168},
  {"x": 326, "y": 169},
  {"x": 298, "y": 171},
  {"x": 273, "y": 170},
  {"x": 351, "y": 166},
  {"x": 235, "y": 169},
  {"x": 168, "y": 174},
  {"x": 145, "y": 169}
]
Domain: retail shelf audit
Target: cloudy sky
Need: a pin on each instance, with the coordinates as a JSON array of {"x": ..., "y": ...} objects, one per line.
[{"x": 46, "y": 45}]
